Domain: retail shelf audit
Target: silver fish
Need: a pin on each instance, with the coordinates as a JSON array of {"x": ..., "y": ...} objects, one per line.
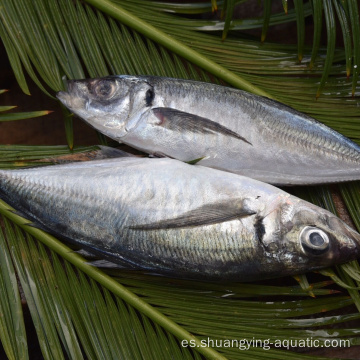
[
  {"x": 181, "y": 220},
  {"x": 230, "y": 129}
]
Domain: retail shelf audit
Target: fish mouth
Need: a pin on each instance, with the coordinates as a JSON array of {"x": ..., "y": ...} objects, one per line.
[{"x": 64, "y": 97}]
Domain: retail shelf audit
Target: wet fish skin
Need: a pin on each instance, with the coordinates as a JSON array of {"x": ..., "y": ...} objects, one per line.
[
  {"x": 233, "y": 130},
  {"x": 204, "y": 223}
]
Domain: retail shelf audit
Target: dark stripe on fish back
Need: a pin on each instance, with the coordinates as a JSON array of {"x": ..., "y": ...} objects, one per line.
[{"x": 180, "y": 121}]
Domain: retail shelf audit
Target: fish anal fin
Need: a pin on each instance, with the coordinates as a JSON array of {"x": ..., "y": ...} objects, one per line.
[
  {"x": 204, "y": 215},
  {"x": 181, "y": 121}
]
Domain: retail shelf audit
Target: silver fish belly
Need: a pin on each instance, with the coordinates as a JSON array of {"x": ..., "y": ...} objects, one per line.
[
  {"x": 231, "y": 129},
  {"x": 181, "y": 220}
]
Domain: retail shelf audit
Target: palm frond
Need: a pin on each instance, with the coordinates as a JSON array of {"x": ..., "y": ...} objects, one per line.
[
  {"x": 331, "y": 30},
  {"x": 11, "y": 320},
  {"x": 19, "y": 116},
  {"x": 82, "y": 312},
  {"x": 353, "y": 12},
  {"x": 266, "y": 22},
  {"x": 346, "y": 14},
  {"x": 317, "y": 14}
]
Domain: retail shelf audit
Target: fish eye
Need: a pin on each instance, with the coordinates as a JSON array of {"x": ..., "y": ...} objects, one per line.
[
  {"x": 104, "y": 89},
  {"x": 149, "y": 97},
  {"x": 314, "y": 240}
]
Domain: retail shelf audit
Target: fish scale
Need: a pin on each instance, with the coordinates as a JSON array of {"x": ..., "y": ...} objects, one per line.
[{"x": 176, "y": 219}]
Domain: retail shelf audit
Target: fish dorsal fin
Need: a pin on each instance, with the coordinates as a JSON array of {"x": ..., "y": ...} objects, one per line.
[
  {"x": 181, "y": 121},
  {"x": 204, "y": 215}
]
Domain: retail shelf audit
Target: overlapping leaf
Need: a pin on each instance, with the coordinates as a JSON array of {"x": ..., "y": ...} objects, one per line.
[{"x": 18, "y": 116}]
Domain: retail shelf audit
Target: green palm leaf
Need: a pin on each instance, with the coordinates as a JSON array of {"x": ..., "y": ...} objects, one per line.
[
  {"x": 80, "y": 311},
  {"x": 19, "y": 116},
  {"x": 11, "y": 322}
]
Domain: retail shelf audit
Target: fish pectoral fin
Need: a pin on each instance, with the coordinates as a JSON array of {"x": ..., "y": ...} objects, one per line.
[
  {"x": 181, "y": 121},
  {"x": 204, "y": 215}
]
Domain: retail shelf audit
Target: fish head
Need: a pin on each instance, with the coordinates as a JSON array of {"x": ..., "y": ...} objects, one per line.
[
  {"x": 302, "y": 237},
  {"x": 113, "y": 104}
]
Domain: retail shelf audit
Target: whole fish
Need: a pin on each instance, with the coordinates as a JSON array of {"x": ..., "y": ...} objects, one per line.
[
  {"x": 180, "y": 220},
  {"x": 230, "y": 129}
]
